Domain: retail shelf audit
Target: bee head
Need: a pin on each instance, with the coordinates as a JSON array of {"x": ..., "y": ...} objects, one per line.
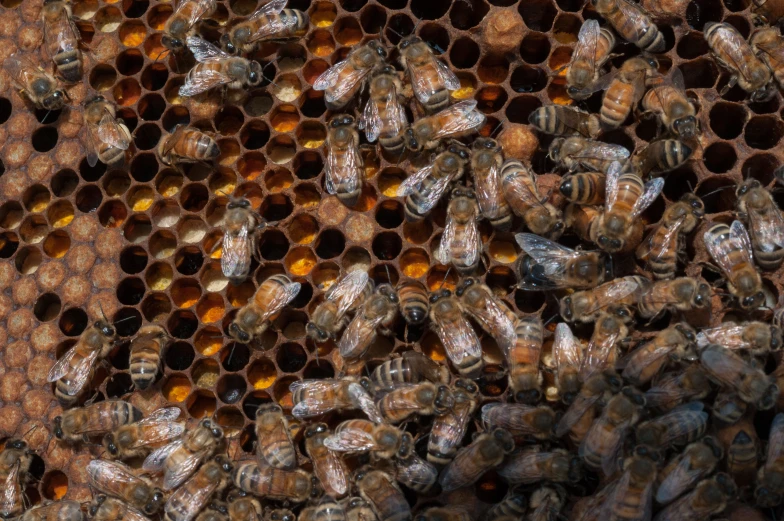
[
  {"x": 155, "y": 503},
  {"x": 376, "y": 46},
  {"x": 529, "y": 396},
  {"x": 238, "y": 334},
  {"x": 505, "y": 439},
  {"x": 766, "y": 497},
  {"x": 172, "y": 43},
  {"x": 608, "y": 244},
  {"x": 687, "y": 331},
  {"x": 54, "y": 101},
  {"x": 108, "y": 442},
  {"x": 764, "y": 93},
  {"x": 444, "y": 400},
  {"x": 99, "y": 500},
  {"x": 316, "y": 333},
  {"x": 685, "y": 127},
  {"x": 566, "y": 308},
  {"x": 554, "y": 152},
  {"x": 408, "y": 41},
  {"x": 16, "y": 444},
  {"x": 411, "y": 140},
  {"x": 316, "y": 429},
  {"x": 753, "y": 301},
  {"x": 254, "y": 73},
  {"x": 227, "y": 44},
  {"x": 57, "y": 427}
]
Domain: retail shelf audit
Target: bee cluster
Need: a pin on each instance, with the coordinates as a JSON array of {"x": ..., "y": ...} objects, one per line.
[{"x": 559, "y": 305}]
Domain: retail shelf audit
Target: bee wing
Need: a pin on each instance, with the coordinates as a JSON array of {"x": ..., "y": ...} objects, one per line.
[
  {"x": 60, "y": 368},
  {"x": 680, "y": 479},
  {"x": 587, "y": 42},
  {"x": 164, "y": 414},
  {"x": 177, "y": 475},
  {"x": 81, "y": 374},
  {"x": 157, "y": 433},
  {"x": 596, "y": 355},
  {"x": 110, "y": 477},
  {"x": 111, "y": 133},
  {"x": 604, "y": 151},
  {"x": 410, "y": 183},
  {"x": 576, "y": 410},
  {"x": 460, "y": 117},
  {"x": 156, "y": 459},
  {"x": 275, "y": 24},
  {"x": 371, "y": 121},
  {"x": 511, "y": 416},
  {"x": 12, "y": 490},
  {"x": 551, "y": 256},
  {"x": 350, "y": 440},
  {"x": 131, "y": 514},
  {"x": 194, "y": 498},
  {"x": 728, "y": 335},
  {"x": 524, "y": 467},
  {"x": 331, "y": 469},
  {"x": 566, "y": 350},
  {"x": 638, "y": 20},
  {"x": 348, "y": 81},
  {"x": 624, "y": 489},
  {"x": 776, "y": 440},
  {"x": 362, "y": 399},
  {"x": 198, "y": 10},
  {"x": 652, "y": 190},
  {"x": 416, "y": 471},
  {"x": 612, "y": 292},
  {"x": 316, "y": 403},
  {"x": 202, "y": 81},
  {"x": 495, "y": 321},
  {"x": 281, "y": 298},
  {"x": 736, "y": 49},
  {"x": 723, "y": 366},
  {"x": 487, "y": 190},
  {"x": 667, "y": 242},
  {"x": 642, "y": 357},
  {"x": 719, "y": 249},
  {"x": 358, "y": 335},
  {"x": 741, "y": 236},
  {"x": 348, "y": 290},
  {"x": 455, "y": 430},
  {"x": 237, "y": 252},
  {"x": 611, "y": 183},
  {"x": 445, "y": 74},
  {"x": 666, "y": 391},
  {"x": 330, "y": 77},
  {"x": 270, "y": 8},
  {"x": 469, "y": 242},
  {"x": 347, "y": 173},
  {"x": 204, "y": 51},
  {"x": 768, "y": 230},
  {"x": 459, "y": 340}
]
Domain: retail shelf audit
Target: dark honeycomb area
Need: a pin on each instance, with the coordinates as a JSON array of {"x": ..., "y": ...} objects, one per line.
[{"x": 140, "y": 243}]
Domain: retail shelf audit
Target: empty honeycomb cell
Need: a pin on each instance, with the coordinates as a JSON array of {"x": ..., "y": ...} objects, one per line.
[
  {"x": 176, "y": 115},
  {"x": 127, "y": 92},
  {"x": 45, "y": 116},
  {"x": 373, "y": 19},
  {"x": 491, "y": 99},
  {"x": 229, "y": 120},
  {"x": 88, "y": 198},
  {"x": 115, "y": 183},
  {"x": 435, "y": 36},
  {"x": 44, "y": 139},
  {"x": 135, "y": 8},
  {"x": 399, "y": 25},
  {"x": 719, "y": 157},
  {"x": 33, "y": 229},
  {"x": 231, "y": 388},
  {"x": 179, "y": 356},
  {"x": 194, "y": 197},
  {"x": 185, "y": 292},
  {"x": 493, "y": 69},
  {"x": 464, "y": 53},
  {"x": 727, "y": 119},
  {"x": 384, "y": 274},
  {"x": 151, "y": 107},
  {"x": 501, "y": 280},
  {"x": 144, "y": 167},
  {"x": 201, "y": 404},
  {"x": 566, "y": 28},
  {"x": 27, "y": 260},
  {"x": 208, "y": 341},
  {"x": 235, "y": 356},
  {"x": 318, "y": 369},
  {"x": 389, "y": 214},
  {"x": 276, "y": 207},
  {"x": 765, "y": 107},
  {"x": 54, "y": 485},
  {"x": 740, "y": 23},
  {"x": 138, "y": 228},
  {"x": 108, "y": 19},
  {"x": 348, "y": 31},
  {"x": 701, "y": 73},
  {"x": 468, "y": 13},
  {"x": 330, "y": 244},
  {"x": 72, "y": 322},
  {"x": 64, "y": 183},
  {"x": 320, "y": 43},
  {"x": 251, "y": 165},
  {"x": 254, "y": 135},
  {"x": 176, "y": 388},
  {"x": 291, "y": 357},
  {"x": 528, "y": 79},
  {"x": 418, "y": 233},
  {"x": 521, "y": 107},
  {"x": 252, "y": 402},
  {"x": 182, "y": 324},
  {"x": 700, "y": 12},
  {"x": 618, "y": 137},
  {"x": 529, "y": 301},
  {"x": 5, "y": 109},
  {"x": 118, "y": 385},
  {"x": 306, "y": 196},
  {"x": 130, "y": 291},
  {"x": 56, "y": 244},
  {"x": 718, "y": 194},
  {"x": 538, "y": 15},
  {"x": 534, "y": 48},
  {"x": 165, "y": 214},
  {"x": 300, "y": 261},
  {"x": 147, "y": 137},
  {"x": 47, "y": 307},
  {"x": 252, "y": 192},
  {"x": 763, "y": 132},
  {"x": 273, "y": 244},
  {"x": 9, "y": 242},
  {"x": 60, "y": 213},
  {"x": 692, "y": 45},
  {"x": 760, "y": 167},
  {"x": 133, "y": 260},
  {"x": 129, "y": 62},
  {"x": 307, "y": 165},
  {"x": 156, "y": 307},
  {"x": 188, "y": 260}
]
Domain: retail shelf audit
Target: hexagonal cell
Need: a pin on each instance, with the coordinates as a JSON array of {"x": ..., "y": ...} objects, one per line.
[
  {"x": 116, "y": 183},
  {"x": 282, "y": 392},
  {"x": 719, "y": 158},
  {"x": 252, "y": 192},
  {"x": 201, "y": 404},
  {"x": 320, "y": 43},
  {"x": 130, "y": 291},
  {"x": 699, "y": 74},
  {"x": 33, "y": 229},
  {"x": 47, "y": 307},
  {"x": 60, "y": 214},
  {"x": 231, "y": 388},
  {"x": 535, "y": 47},
  {"x": 273, "y": 245},
  {"x": 108, "y": 19},
  {"x": 162, "y": 244},
  {"x": 127, "y": 92},
  {"x": 262, "y": 373},
  {"x": 467, "y": 14},
  {"x": 208, "y": 341},
  {"x": 727, "y": 119},
  {"x": 521, "y": 107},
  {"x": 156, "y": 307},
  {"x": 348, "y": 31},
  {"x": 491, "y": 99},
  {"x": 54, "y": 485},
  {"x": 436, "y": 37},
  {"x": 144, "y": 167},
  {"x": 528, "y": 79},
  {"x": 64, "y": 183},
  {"x": 182, "y": 324},
  {"x": 138, "y": 228},
  {"x": 323, "y": 14},
  {"x": 210, "y": 308},
  {"x": 440, "y": 277},
  {"x": 718, "y": 194},
  {"x": 330, "y": 244},
  {"x": 276, "y": 207},
  {"x": 251, "y": 165},
  {"x": 464, "y": 53},
  {"x": 188, "y": 260},
  {"x": 254, "y": 135},
  {"x": 185, "y": 292},
  {"x": 72, "y": 322},
  {"x": 9, "y": 242},
  {"x": 373, "y": 19},
  {"x": 44, "y": 139},
  {"x": 311, "y": 134},
  {"x": 763, "y": 132},
  {"x": 133, "y": 259},
  {"x": 176, "y": 388},
  {"x": 760, "y": 167}
]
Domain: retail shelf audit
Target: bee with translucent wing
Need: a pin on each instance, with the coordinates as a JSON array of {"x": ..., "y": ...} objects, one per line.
[
  {"x": 522, "y": 194},
  {"x": 344, "y": 79},
  {"x": 455, "y": 333},
  {"x": 458, "y": 120},
  {"x": 486, "y": 161},
  {"x": 577, "y": 154},
  {"x": 384, "y": 118},
  {"x": 108, "y": 137},
  {"x": 254, "y": 317},
  {"x": 770, "y": 479},
  {"x": 383, "y": 441},
  {"x": 460, "y": 242},
  {"x": 730, "y": 247},
  {"x": 270, "y": 22},
  {"x": 34, "y": 83},
  {"x": 730, "y": 370},
  {"x": 591, "y": 52},
  {"x": 759, "y": 338},
  {"x": 486, "y": 452},
  {"x": 215, "y": 69},
  {"x": 183, "y": 22},
  {"x": 697, "y": 461},
  {"x": 549, "y": 265},
  {"x": 316, "y": 397},
  {"x": 141, "y": 437},
  {"x": 765, "y": 223},
  {"x": 731, "y": 51},
  {"x": 449, "y": 429},
  {"x": 430, "y": 79},
  {"x": 424, "y": 188},
  {"x": 118, "y": 480},
  {"x": 241, "y": 226},
  {"x": 568, "y": 356},
  {"x": 327, "y": 464},
  {"x": 193, "y": 495}
]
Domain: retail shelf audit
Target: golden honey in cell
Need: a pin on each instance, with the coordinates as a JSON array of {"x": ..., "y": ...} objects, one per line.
[
  {"x": 187, "y": 145},
  {"x": 733, "y": 53},
  {"x": 82, "y": 423},
  {"x": 270, "y": 22},
  {"x": 681, "y": 294},
  {"x": 184, "y": 21},
  {"x": 147, "y": 352},
  {"x": 345, "y": 79},
  {"x": 35, "y": 84},
  {"x": 486, "y": 161},
  {"x": 254, "y": 318},
  {"x": 730, "y": 248},
  {"x": 274, "y": 446},
  {"x": 384, "y": 119},
  {"x": 241, "y": 227},
  {"x": 216, "y": 68},
  {"x": 430, "y": 79},
  {"x": 118, "y": 480},
  {"x": 762, "y": 216},
  {"x": 139, "y": 438},
  {"x": 207, "y": 482},
  {"x": 632, "y": 22},
  {"x": 61, "y": 39}
]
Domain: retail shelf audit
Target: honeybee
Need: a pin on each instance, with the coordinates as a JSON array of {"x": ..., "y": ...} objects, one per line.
[
  {"x": 207, "y": 482},
  {"x": 762, "y": 215},
  {"x": 728, "y": 407},
  {"x": 767, "y": 12},
  {"x": 348, "y": 293},
  {"x": 632, "y": 23},
  {"x": 730, "y": 248},
  {"x": 591, "y": 52},
  {"x": 240, "y": 229},
  {"x": 486, "y": 452},
  {"x": 424, "y": 399},
  {"x": 586, "y": 306},
  {"x": 577, "y": 153},
  {"x": 14, "y": 476},
  {"x": 384, "y": 118},
  {"x": 357, "y": 509},
  {"x": 658, "y": 157},
  {"x": 486, "y": 160},
  {"x": 443, "y": 514},
  {"x": 512, "y": 506},
  {"x": 455, "y": 121},
  {"x": 58, "y": 511},
  {"x": 610, "y": 329},
  {"x": 381, "y": 440},
  {"x": 344, "y": 168},
  {"x": 533, "y": 465},
  {"x": 344, "y": 79},
  {"x": 455, "y": 333},
  {"x": 118, "y": 480},
  {"x": 449, "y": 429},
  {"x": 74, "y": 370},
  {"x": 710, "y": 496},
  {"x": 522, "y": 194},
  {"x": 218, "y": 69},
  {"x": 274, "y": 446},
  {"x": 520, "y": 419},
  {"x": 187, "y": 145},
  {"x": 138, "y": 438},
  {"x": 757, "y": 337},
  {"x": 99, "y": 418},
  {"x": 550, "y": 265},
  {"x": 430, "y": 79},
  {"x": 731, "y": 51},
  {"x": 665, "y": 245},
  {"x": 327, "y": 465},
  {"x": 146, "y": 354},
  {"x": 599, "y": 449},
  {"x": 254, "y": 317},
  {"x": 675, "y": 343},
  {"x": 561, "y": 120},
  {"x": 752, "y": 384},
  {"x": 416, "y": 473},
  {"x": 546, "y": 504},
  {"x": 631, "y": 496},
  {"x": 273, "y": 483},
  {"x": 243, "y": 507},
  {"x": 108, "y": 137},
  {"x": 460, "y": 242},
  {"x": 316, "y": 397},
  {"x": 522, "y": 358},
  {"x": 627, "y": 87},
  {"x": 413, "y": 301},
  {"x": 769, "y": 47},
  {"x": 568, "y": 357},
  {"x": 697, "y": 461},
  {"x": 584, "y": 188},
  {"x": 674, "y": 111},
  {"x": 270, "y": 22},
  {"x": 591, "y": 397},
  {"x": 179, "y": 459},
  {"x": 277, "y": 514},
  {"x": 425, "y": 188},
  {"x": 183, "y": 21},
  {"x": 326, "y": 510},
  {"x": 382, "y": 494},
  {"x": 34, "y": 83},
  {"x": 215, "y": 511},
  {"x": 742, "y": 448},
  {"x": 411, "y": 368},
  {"x": 682, "y": 294},
  {"x": 770, "y": 479},
  {"x": 488, "y": 311},
  {"x": 377, "y": 315},
  {"x": 678, "y": 387},
  {"x": 618, "y": 228},
  {"x": 61, "y": 38},
  {"x": 681, "y": 426}
]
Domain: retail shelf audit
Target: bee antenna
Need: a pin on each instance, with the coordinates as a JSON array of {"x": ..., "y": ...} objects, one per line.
[
  {"x": 716, "y": 191},
  {"x": 34, "y": 427},
  {"x": 500, "y": 125},
  {"x": 100, "y": 306},
  {"x": 397, "y": 33},
  {"x": 445, "y": 276},
  {"x": 231, "y": 353},
  {"x": 389, "y": 277},
  {"x": 266, "y": 78},
  {"x": 550, "y": 319},
  {"x": 691, "y": 188},
  {"x": 123, "y": 320}
]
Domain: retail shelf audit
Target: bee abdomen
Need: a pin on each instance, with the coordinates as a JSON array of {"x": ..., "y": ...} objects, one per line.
[
  {"x": 616, "y": 105},
  {"x": 414, "y": 303},
  {"x": 584, "y": 188},
  {"x": 348, "y": 198},
  {"x": 769, "y": 260},
  {"x": 652, "y": 39},
  {"x": 144, "y": 365},
  {"x": 69, "y": 65}
]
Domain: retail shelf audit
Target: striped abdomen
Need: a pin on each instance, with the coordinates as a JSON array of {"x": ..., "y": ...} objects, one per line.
[
  {"x": 493, "y": 206},
  {"x": 617, "y": 103},
  {"x": 447, "y": 433},
  {"x": 416, "y": 201},
  {"x": 742, "y": 458},
  {"x": 660, "y": 251},
  {"x": 413, "y": 301},
  {"x": 270, "y": 289},
  {"x": 584, "y": 188},
  {"x": 195, "y": 145},
  {"x": 638, "y": 29},
  {"x": 523, "y": 360},
  {"x": 145, "y": 362},
  {"x": 428, "y": 80}
]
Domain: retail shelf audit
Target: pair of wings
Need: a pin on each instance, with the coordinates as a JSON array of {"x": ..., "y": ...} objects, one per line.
[
  {"x": 197, "y": 10},
  {"x": 511, "y": 416},
  {"x": 347, "y": 290},
  {"x": 430, "y": 195},
  {"x": 615, "y": 183},
  {"x": 682, "y": 422},
  {"x": 495, "y": 321},
  {"x": 458, "y": 338},
  {"x": 281, "y": 297},
  {"x": 459, "y": 118},
  {"x": 525, "y": 467},
  {"x": 586, "y": 48},
  {"x": 274, "y": 25},
  {"x": 452, "y": 428},
  {"x": 517, "y": 189},
  {"x": 176, "y": 474},
  {"x": 358, "y": 335},
  {"x": 237, "y": 252},
  {"x": 668, "y": 390},
  {"x": 201, "y": 79},
  {"x": 767, "y": 228},
  {"x": 567, "y": 351},
  {"x": 592, "y": 151},
  {"x": 421, "y": 79},
  {"x": 111, "y": 477},
  {"x": 62, "y": 35},
  {"x": 610, "y": 293},
  {"x": 598, "y": 354},
  {"x": 622, "y": 494},
  {"x": 724, "y": 365},
  {"x": 323, "y": 396},
  {"x": 728, "y": 243},
  {"x": 609, "y": 437},
  {"x": 415, "y": 471},
  {"x": 660, "y": 241},
  {"x": 341, "y": 79},
  {"x": 12, "y": 496},
  {"x": 647, "y": 354},
  {"x": 728, "y": 334},
  {"x": 109, "y": 132},
  {"x": 734, "y": 51},
  {"x": 331, "y": 470},
  {"x": 487, "y": 187},
  {"x": 553, "y": 259},
  {"x": 343, "y": 170},
  {"x": 461, "y": 242},
  {"x": 187, "y": 501},
  {"x": 159, "y": 427},
  {"x": 465, "y": 469},
  {"x": 78, "y": 377},
  {"x": 393, "y": 122},
  {"x": 681, "y": 478}
]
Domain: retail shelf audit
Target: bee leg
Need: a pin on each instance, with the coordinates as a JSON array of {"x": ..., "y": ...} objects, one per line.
[{"x": 729, "y": 85}]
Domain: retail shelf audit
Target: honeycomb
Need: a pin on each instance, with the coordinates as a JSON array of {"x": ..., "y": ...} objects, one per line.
[{"x": 138, "y": 242}]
